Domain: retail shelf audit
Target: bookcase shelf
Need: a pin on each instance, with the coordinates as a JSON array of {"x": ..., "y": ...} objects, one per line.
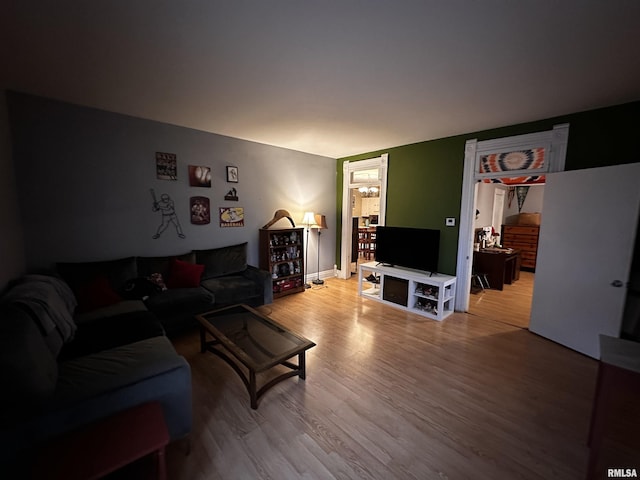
[{"x": 281, "y": 254}]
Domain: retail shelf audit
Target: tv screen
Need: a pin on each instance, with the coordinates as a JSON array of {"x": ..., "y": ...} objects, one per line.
[{"x": 416, "y": 248}]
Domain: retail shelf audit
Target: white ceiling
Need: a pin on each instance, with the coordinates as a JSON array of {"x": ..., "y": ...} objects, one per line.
[{"x": 331, "y": 77}]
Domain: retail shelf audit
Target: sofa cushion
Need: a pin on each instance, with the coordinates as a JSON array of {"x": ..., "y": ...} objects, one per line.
[
  {"x": 223, "y": 260},
  {"x": 147, "y": 266},
  {"x": 232, "y": 289},
  {"x": 119, "y": 308},
  {"x": 101, "y": 384},
  {"x": 184, "y": 274},
  {"x": 28, "y": 368},
  {"x": 79, "y": 274},
  {"x": 110, "y": 332},
  {"x": 190, "y": 300},
  {"x": 96, "y": 294}
]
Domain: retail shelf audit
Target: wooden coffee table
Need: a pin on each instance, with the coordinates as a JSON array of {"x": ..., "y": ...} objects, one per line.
[{"x": 243, "y": 336}]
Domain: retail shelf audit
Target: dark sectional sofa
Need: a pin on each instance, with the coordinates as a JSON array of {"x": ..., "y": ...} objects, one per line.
[
  {"x": 91, "y": 339},
  {"x": 197, "y": 281}
]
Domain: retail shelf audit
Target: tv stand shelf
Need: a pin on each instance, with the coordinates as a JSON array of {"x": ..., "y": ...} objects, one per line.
[{"x": 429, "y": 295}]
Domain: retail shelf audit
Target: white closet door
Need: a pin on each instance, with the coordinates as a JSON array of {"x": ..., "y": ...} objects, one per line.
[{"x": 585, "y": 249}]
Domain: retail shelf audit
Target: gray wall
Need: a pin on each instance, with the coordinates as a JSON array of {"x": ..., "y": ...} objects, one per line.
[
  {"x": 84, "y": 178},
  {"x": 12, "y": 261}
]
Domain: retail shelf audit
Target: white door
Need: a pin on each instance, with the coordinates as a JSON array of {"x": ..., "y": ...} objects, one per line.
[{"x": 584, "y": 255}]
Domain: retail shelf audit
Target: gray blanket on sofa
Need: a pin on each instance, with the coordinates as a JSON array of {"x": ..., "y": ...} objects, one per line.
[{"x": 51, "y": 302}]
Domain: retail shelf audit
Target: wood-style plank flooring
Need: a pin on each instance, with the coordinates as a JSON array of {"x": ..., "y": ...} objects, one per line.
[
  {"x": 392, "y": 395},
  {"x": 511, "y": 305}
]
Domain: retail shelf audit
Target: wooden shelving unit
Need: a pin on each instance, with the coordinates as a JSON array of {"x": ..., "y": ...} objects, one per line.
[
  {"x": 282, "y": 254},
  {"x": 432, "y": 296}
]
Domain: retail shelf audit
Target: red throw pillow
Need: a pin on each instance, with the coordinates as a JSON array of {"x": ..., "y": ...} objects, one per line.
[
  {"x": 96, "y": 294},
  {"x": 184, "y": 274}
]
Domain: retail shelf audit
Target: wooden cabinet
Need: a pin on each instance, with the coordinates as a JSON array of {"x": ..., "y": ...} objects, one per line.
[
  {"x": 370, "y": 206},
  {"x": 523, "y": 238},
  {"x": 282, "y": 254},
  {"x": 367, "y": 242}
]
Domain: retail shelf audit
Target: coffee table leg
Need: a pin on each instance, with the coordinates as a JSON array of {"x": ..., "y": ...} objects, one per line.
[
  {"x": 252, "y": 389},
  {"x": 161, "y": 465},
  {"x": 302, "y": 366}
]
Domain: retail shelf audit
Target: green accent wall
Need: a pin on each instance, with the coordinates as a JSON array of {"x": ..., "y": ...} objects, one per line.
[{"x": 425, "y": 179}]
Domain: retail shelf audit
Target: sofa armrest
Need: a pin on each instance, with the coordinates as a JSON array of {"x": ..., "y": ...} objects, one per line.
[{"x": 261, "y": 277}]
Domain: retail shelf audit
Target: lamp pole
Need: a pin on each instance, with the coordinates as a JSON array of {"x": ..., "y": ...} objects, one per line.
[
  {"x": 308, "y": 220},
  {"x": 317, "y": 281}
]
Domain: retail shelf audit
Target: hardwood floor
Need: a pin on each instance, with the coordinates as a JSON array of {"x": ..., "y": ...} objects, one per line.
[
  {"x": 512, "y": 305},
  {"x": 393, "y": 395}
]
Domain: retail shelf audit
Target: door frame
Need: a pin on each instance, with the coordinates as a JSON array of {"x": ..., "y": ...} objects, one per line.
[
  {"x": 348, "y": 168},
  {"x": 554, "y": 141}
]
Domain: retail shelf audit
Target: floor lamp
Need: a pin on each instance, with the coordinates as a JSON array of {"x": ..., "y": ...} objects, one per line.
[
  {"x": 307, "y": 220},
  {"x": 320, "y": 224}
]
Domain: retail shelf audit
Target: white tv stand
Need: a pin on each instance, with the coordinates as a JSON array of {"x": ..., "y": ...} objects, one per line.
[{"x": 415, "y": 291}]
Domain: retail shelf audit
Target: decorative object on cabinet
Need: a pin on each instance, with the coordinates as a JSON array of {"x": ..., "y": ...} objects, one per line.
[
  {"x": 523, "y": 238},
  {"x": 429, "y": 295},
  {"x": 232, "y": 174},
  {"x": 281, "y": 254},
  {"x": 307, "y": 220},
  {"x": 321, "y": 224},
  {"x": 279, "y": 215}
]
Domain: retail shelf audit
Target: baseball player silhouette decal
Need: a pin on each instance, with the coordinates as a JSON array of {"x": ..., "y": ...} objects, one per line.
[{"x": 169, "y": 217}]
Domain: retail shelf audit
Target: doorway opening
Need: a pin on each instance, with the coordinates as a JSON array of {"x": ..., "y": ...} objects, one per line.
[
  {"x": 491, "y": 160},
  {"x": 498, "y": 209},
  {"x": 364, "y": 194}
]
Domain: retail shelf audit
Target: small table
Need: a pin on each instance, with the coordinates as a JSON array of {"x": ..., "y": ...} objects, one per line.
[
  {"x": 107, "y": 445},
  {"x": 256, "y": 342},
  {"x": 502, "y": 266}
]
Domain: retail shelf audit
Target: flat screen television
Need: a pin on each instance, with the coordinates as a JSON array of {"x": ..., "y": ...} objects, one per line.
[{"x": 416, "y": 248}]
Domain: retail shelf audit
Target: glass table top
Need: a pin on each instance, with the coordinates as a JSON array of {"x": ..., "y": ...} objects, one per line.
[{"x": 255, "y": 339}]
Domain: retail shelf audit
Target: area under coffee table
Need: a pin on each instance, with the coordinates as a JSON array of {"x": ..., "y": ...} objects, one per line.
[{"x": 255, "y": 341}]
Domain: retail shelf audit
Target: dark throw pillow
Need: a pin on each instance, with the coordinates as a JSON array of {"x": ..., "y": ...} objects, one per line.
[
  {"x": 184, "y": 274},
  {"x": 96, "y": 294}
]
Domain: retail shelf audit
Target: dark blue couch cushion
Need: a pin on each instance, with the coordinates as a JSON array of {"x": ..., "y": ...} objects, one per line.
[
  {"x": 222, "y": 261},
  {"x": 110, "y": 332},
  {"x": 80, "y": 274},
  {"x": 232, "y": 289}
]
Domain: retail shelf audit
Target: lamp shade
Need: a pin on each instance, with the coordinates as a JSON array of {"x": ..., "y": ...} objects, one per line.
[
  {"x": 308, "y": 219},
  {"x": 320, "y": 222}
]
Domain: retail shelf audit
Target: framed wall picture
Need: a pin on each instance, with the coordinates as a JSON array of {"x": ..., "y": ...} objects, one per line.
[
  {"x": 231, "y": 217},
  {"x": 232, "y": 174},
  {"x": 166, "y": 166},
  {"x": 200, "y": 210},
  {"x": 199, "y": 176}
]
